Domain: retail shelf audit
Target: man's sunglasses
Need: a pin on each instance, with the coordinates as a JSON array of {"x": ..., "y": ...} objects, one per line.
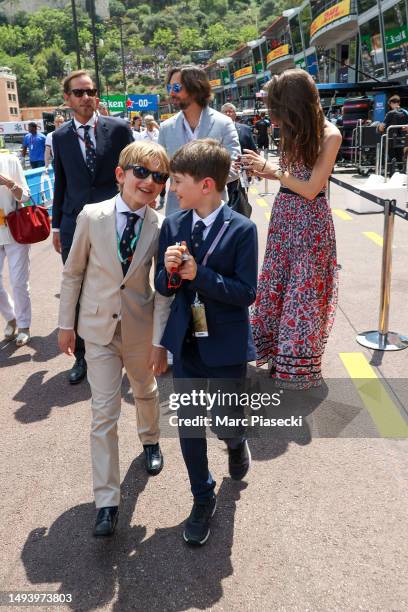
[
  {"x": 141, "y": 172},
  {"x": 78, "y": 93},
  {"x": 176, "y": 88}
]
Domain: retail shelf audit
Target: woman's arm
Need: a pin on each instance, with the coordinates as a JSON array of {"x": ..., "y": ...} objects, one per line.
[{"x": 322, "y": 168}]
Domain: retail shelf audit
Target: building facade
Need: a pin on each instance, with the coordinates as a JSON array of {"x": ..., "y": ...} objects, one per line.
[
  {"x": 9, "y": 105},
  {"x": 336, "y": 41}
]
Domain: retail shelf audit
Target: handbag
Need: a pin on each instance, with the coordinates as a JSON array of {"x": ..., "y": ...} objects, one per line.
[
  {"x": 29, "y": 224},
  {"x": 238, "y": 201}
]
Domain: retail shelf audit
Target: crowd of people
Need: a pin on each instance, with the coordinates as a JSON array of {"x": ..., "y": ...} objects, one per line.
[{"x": 207, "y": 307}]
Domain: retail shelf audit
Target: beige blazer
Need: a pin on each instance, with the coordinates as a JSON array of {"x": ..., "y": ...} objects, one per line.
[{"x": 106, "y": 295}]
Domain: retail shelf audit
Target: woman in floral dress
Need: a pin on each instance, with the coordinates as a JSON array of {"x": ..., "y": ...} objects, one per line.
[{"x": 297, "y": 288}]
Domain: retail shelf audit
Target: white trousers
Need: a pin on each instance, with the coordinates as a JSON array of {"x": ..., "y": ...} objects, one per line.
[
  {"x": 105, "y": 364},
  {"x": 19, "y": 307}
]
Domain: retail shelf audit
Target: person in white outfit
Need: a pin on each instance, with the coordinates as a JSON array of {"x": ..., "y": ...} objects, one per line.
[{"x": 16, "y": 311}]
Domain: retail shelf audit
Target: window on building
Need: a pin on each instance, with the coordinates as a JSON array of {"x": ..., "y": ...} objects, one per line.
[
  {"x": 371, "y": 51},
  {"x": 10, "y": 97},
  {"x": 396, "y": 38},
  {"x": 296, "y": 36},
  {"x": 364, "y": 5},
  {"x": 306, "y": 20}
]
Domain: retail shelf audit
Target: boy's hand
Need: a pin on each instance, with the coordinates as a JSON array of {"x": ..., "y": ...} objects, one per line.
[
  {"x": 66, "y": 341},
  {"x": 56, "y": 241},
  {"x": 188, "y": 269},
  {"x": 158, "y": 360},
  {"x": 173, "y": 257}
]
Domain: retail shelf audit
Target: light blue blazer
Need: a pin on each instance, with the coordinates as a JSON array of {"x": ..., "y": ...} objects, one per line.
[{"x": 213, "y": 124}]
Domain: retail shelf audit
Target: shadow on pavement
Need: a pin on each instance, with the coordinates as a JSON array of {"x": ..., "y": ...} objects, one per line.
[
  {"x": 41, "y": 397},
  {"x": 45, "y": 347},
  {"x": 156, "y": 573}
]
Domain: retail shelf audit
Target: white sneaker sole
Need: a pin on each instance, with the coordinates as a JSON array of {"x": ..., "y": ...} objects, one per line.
[{"x": 201, "y": 542}]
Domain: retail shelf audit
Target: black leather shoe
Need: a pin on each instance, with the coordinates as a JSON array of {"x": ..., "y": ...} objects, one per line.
[
  {"x": 239, "y": 460},
  {"x": 153, "y": 458},
  {"x": 106, "y": 520},
  {"x": 197, "y": 528},
  {"x": 78, "y": 371}
]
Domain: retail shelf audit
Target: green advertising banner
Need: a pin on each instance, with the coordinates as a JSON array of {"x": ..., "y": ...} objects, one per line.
[
  {"x": 395, "y": 37},
  {"x": 225, "y": 75},
  {"x": 116, "y": 103},
  {"x": 258, "y": 67}
]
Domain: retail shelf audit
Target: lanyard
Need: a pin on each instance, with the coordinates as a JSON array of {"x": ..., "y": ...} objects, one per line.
[
  {"x": 216, "y": 240},
  {"x": 132, "y": 244},
  {"x": 81, "y": 137}
]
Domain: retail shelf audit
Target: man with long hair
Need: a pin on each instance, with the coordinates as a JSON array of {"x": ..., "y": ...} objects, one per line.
[{"x": 190, "y": 93}]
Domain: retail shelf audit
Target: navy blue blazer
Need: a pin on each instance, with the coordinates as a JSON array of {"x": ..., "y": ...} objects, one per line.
[
  {"x": 226, "y": 285},
  {"x": 246, "y": 139},
  {"x": 74, "y": 185}
]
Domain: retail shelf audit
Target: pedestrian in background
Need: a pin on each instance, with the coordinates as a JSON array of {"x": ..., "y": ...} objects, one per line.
[
  {"x": 49, "y": 153},
  {"x": 297, "y": 288},
  {"x": 16, "y": 311},
  {"x": 86, "y": 153},
  {"x": 262, "y": 129},
  {"x": 190, "y": 92},
  {"x": 34, "y": 143},
  {"x": 395, "y": 116}
]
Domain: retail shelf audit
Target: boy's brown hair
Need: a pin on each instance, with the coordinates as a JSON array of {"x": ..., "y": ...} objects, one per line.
[
  {"x": 66, "y": 83},
  {"x": 201, "y": 159}
]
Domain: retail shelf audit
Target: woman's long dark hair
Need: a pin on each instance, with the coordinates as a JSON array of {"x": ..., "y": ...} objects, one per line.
[{"x": 294, "y": 103}]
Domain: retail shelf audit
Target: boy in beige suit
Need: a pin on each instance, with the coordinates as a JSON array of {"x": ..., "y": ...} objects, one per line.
[{"x": 121, "y": 318}]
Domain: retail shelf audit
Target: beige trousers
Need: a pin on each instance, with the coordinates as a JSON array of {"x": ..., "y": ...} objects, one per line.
[{"x": 105, "y": 364}]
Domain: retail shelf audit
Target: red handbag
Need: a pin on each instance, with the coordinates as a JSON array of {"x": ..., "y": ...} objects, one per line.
[{"x": 29, "y": 224}]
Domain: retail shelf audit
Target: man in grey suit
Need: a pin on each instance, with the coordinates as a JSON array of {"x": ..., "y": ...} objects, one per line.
[{"x": 190, "y": 92}]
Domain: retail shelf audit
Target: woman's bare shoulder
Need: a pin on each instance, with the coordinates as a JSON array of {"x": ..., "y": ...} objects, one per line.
[{"x": 331, "y": 133}]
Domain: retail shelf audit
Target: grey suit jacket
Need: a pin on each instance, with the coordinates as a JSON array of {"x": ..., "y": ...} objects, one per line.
[{"x": 213, "y": 124}]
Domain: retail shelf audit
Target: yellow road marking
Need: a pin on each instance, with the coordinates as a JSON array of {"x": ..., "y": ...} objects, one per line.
[
  {"x": 374, "y": 237},
  {"x": 253, "y": 189},
  {"x": 342, "y": 214},
  {"x": 268, "y": 216},
  {"x": 381, "y": 408},
  {"x": 262, "y": 202}
]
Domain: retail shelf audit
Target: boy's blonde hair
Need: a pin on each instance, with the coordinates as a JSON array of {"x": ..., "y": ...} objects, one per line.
[
  {"x": 148, "y": 118},
  {"x": 145, "y": 152}
]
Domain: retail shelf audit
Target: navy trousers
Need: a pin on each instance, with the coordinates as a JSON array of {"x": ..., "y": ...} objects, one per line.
[{"x": 191, "y": 374}]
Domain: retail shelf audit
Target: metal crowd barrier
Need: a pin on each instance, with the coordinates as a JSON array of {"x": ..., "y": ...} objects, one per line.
[
  {"x": 382, "y": 339},
  {"x": 266, "y": 192},
  {"x": 387, "y": 139}
]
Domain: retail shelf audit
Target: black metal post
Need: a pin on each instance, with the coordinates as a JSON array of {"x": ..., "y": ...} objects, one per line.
[
  {"x": 122, "y": 51},
  {"x": 75, "y": 22},
  {"x": 95, "y": 46}
]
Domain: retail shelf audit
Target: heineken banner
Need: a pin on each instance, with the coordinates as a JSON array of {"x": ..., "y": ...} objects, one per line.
[{"x": 116, "y": 103}]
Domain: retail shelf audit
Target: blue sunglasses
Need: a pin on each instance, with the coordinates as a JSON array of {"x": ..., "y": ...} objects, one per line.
[{"x": 176, "y": 88}]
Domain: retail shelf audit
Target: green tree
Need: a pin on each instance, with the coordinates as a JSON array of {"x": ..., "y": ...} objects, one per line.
[
  {"x": 217, "y": 36},
  {"x": 246, "y": 33},
  {"x": 11, "y": 39},
  {"x": 116, "y": 8},
  {"x": 163, "y": 38},
  {"x": 189, "y": 38}
]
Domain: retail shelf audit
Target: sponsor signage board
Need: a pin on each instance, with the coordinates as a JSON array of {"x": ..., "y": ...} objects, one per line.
[
  {"x": 115, "y": 103},
  {"x": 277, "y": 53},
  {"x": 19, "y": 127},
  {"x": 143, "y": 102},
  {"x": 243, "y": 72},
  {"x": 215, "y": 83},
  {"x": 342, "y": 9}
]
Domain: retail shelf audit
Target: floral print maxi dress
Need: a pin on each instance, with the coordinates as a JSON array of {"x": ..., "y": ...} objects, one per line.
[{"x": 297, "y": 288}]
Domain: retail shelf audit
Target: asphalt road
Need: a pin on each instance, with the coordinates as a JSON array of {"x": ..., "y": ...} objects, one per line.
[{"x": 320, "y": 523}]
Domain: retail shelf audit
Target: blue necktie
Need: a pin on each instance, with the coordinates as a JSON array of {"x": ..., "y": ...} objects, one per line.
[
  {"x": 197, "y": 237},
  {"x": 90, "y": 153},
  {"x": 126, "y": 250}
]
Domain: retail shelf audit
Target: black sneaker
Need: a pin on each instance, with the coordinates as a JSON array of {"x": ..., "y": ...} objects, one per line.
[
  {"x": 239, "y": 460},
  {"x": 197, "y": 528}
]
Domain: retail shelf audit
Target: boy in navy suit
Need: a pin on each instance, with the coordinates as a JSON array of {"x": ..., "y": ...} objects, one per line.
[{"x": 208, "y": 261}]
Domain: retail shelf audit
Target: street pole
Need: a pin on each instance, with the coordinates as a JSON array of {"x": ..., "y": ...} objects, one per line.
[
  {"x": 94, "y": 45},
  {"x": 75, "y": 22},
  {"x": 122, "y": 51}
]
